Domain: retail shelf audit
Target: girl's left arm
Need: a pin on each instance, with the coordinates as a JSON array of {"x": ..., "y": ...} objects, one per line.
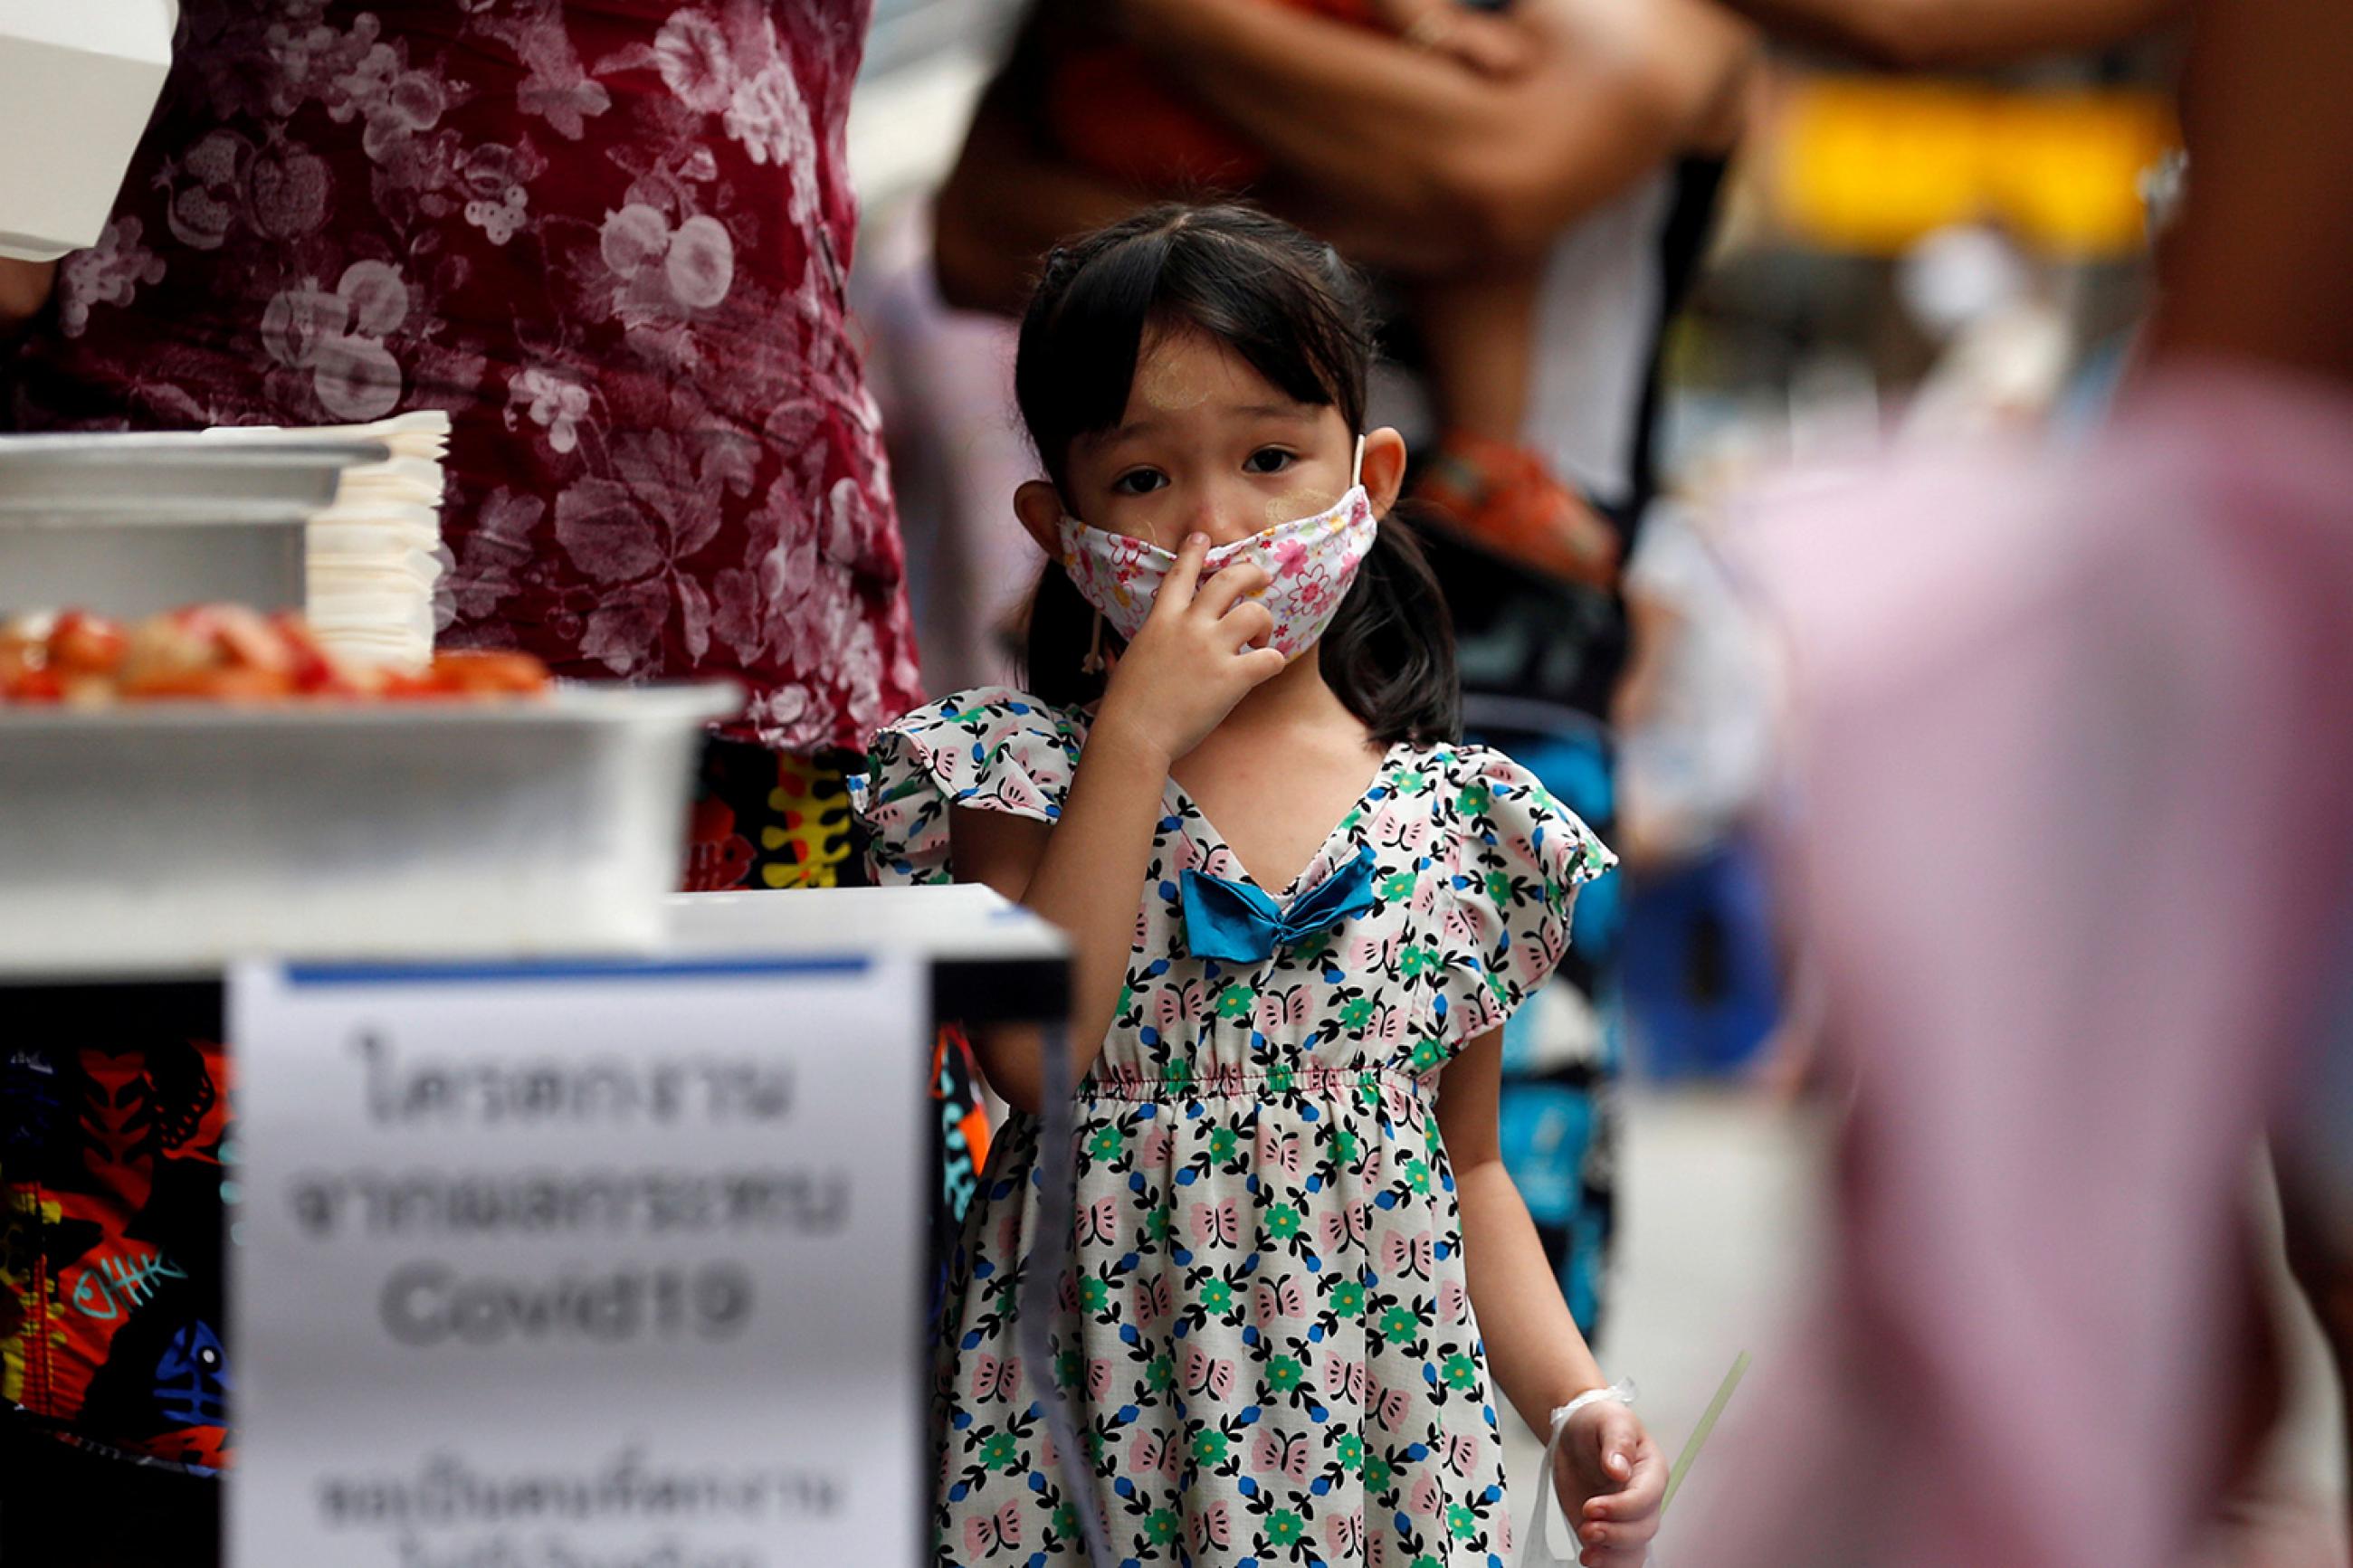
[{"x": 1612, "y": 1477}]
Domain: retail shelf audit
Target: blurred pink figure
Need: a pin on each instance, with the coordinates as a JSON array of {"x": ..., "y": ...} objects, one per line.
[
  {"x": 2072, "y": 747},
  {"x": 944, "y": 378}
]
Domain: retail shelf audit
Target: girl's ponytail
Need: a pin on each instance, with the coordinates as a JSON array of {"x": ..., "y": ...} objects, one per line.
[
  {"x": 1061, "y": 625},
  {"x": 1390, "y": 654}
]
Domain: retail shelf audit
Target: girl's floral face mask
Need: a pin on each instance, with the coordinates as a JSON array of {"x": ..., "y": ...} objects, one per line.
[{"x": 1310, "y": 563}]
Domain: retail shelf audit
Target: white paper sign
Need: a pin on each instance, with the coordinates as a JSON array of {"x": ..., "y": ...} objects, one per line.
[{"x": 586, "y": 1266}]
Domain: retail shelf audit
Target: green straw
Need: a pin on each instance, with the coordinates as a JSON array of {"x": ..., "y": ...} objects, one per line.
[{"x": 1707, "y": 1424}]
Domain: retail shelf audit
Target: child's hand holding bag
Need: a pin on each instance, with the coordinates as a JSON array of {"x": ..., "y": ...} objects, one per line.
[{"x": 1611, "y": 1478}]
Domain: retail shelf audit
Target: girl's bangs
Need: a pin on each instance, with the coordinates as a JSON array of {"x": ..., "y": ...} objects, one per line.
[
  {"x": 1093, "y": 340},
  {"x": 1277, "y": 319}
]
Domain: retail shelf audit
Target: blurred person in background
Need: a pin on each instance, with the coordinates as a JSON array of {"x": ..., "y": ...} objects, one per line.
[
  {"x": 1947, "y": 35},
  {"x": 1513, "y": 174},
  {"x": 1565, "y": 155},
  {"x": 2075, "y": 871},
  {"x": 612, "y": 240},
  {"x": 1109, "y": 107},
  {"x": 1693, "y": 718}
]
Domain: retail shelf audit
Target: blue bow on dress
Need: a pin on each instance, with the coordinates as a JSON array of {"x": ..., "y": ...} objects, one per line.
[{"x": 1235, "y": 922}]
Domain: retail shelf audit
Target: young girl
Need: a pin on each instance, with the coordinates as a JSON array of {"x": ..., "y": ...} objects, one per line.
[{"x": 1299, "y": 912}]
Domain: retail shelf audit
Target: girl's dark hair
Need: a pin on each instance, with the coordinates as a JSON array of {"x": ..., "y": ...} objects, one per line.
[{"x": 1299, "y": 316}]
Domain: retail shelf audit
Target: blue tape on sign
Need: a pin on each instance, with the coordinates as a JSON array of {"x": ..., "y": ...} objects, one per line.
[{"x": 496, "y": 973}]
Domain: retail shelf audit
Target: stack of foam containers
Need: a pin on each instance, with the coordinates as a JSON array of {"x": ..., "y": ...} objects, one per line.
[{"x": 376, "y": 557}]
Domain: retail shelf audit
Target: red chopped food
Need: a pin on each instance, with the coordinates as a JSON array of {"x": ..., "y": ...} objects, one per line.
[
  {"x": 220, "y": 683},
  {"x": 84, "y": 644},
  {"x": 227, "y": 653},
  {"x": 35, "y": 685},
  {"x": 317, "y": 673},
  {"x": 473, "y": 674}
]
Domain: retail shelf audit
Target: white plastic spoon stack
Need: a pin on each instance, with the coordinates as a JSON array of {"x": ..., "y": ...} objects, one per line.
[{"x": 375, "y": 556}]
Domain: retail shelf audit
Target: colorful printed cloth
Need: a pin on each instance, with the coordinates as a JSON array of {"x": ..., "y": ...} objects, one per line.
[
  {"x": 612, "y": 240},
  {"x": 1268, "y": 1329},
  {"x": 960, "y": 1152},
  {"x": 768, "y": 819},
  {"x": 114, "y": 1131}
]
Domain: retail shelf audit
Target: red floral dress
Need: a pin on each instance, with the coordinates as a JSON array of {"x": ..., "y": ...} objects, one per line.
[{"x": 611, "y": 240}]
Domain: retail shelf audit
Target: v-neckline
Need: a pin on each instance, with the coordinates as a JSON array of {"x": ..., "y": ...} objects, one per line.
[
  {"x": 1182, "y": 798},
  {"x": 1175, "y": 794}
]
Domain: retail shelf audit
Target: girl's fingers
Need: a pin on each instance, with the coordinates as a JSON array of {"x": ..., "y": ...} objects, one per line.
[
  {"x": 1177, "y": 589},
  {"x": 1642, "y": 1495},
  {"x": 1603, "y": 1558},
  {"x": 1261, "y": 664},
  {"x": 1638, "y": 1494},
  {"x": 1610, "y": 1538},
  {"x": 1618, "y": 1446},
  {"x": 1247, "y": 623},
  {"x": 1611, "y": 1557},
  {"x": 1617, "y": 1529},
  {"x": 1230, "y": 587},
  {"x": 1615, "y": 1435}
]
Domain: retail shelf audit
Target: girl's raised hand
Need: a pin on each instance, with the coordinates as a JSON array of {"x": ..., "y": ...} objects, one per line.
[
  {"x": 1611, "y": 1480},
  {"x": 1198, "y": 653}
]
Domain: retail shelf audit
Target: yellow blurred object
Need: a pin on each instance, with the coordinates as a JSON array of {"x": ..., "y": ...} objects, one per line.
[
  {"x": 808, "y": 842},
  {"x": 1874, "y": 166}
]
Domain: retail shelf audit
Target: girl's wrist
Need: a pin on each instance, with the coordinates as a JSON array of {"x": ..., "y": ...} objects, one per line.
[
  {"x": 1576, "y": 1395},
  {"x": 1117, "y": 736},
  {"x": 1132, "y": 743},
  {"x": 1590, "y": 1395}
]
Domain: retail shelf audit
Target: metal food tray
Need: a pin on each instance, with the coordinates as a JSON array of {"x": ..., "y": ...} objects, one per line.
[
  {"x": 184, "y": 835},
  {"x": 171, "y": 477},
  {"x": 132, "y": 525}
]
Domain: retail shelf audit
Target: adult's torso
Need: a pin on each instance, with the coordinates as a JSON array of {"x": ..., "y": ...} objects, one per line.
[{"x": 1610, "y": 286}]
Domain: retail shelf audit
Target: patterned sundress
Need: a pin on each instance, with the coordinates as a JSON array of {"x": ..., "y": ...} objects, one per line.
[{"x": 1267, "y": 1333}]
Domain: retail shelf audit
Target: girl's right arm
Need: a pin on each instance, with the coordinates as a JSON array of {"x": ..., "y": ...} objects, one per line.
[{"x": 1193, "y": 660}]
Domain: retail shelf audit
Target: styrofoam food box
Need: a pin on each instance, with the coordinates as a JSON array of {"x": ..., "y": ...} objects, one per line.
[
  {"x": 186, "y": 834},
  {"x": 78, "y": 81}
]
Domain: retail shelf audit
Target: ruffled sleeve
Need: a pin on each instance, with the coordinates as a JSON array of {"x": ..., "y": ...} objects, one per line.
[
  {"x": 991, "y": 749},
  {"x": 1517, "y": 857}
]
